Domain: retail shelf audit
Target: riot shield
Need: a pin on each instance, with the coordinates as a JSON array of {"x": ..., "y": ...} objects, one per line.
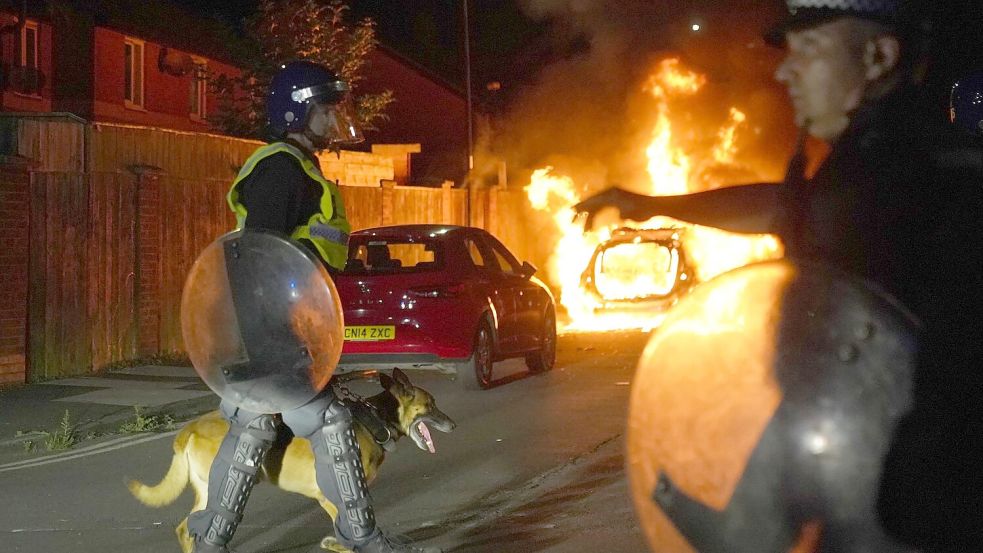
[
  {"x": 262, "y": 322},
  {"x": 762, "y": 409}
]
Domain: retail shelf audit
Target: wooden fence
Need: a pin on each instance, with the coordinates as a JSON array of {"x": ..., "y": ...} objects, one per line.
[
  {"x": 65, "y": 143},
  {"x": 109, "y": 252}
]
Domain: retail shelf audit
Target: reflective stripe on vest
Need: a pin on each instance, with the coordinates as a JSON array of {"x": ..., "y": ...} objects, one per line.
[
  {"x": 329, "y": 233},
  {"x": 327, "y": 229}
]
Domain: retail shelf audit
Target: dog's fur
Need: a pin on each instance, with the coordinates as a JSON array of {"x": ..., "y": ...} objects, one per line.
[{"x": 290, "y": 462}]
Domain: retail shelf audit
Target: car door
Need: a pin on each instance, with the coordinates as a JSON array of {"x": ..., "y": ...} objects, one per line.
[
  {"x": 490, "y": 281},
  {"x": 524, "y": 297}
]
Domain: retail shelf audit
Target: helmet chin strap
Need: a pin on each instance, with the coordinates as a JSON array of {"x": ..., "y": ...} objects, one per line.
[{"x": 319, "y": 142}]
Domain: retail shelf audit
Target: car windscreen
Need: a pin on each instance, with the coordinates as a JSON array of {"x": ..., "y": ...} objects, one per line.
[{"x": 378, "y": 256}]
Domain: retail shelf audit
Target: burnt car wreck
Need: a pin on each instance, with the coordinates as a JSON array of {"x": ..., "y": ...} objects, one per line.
[{"x": 639, "y": 269}]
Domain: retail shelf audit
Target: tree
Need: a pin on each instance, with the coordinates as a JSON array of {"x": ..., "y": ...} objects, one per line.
[{"x": 288, "y": 30}]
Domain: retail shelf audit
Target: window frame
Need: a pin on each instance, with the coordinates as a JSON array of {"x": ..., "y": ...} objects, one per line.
[
  {"x": 35, "y": 28},
  {"x": 199, "y": 90},
  {"x": 489, "y": 263},
  {"x": 498, "y": 250},
  {"x": 32, "y": 26},
  {"x": 134, "y": 44}
]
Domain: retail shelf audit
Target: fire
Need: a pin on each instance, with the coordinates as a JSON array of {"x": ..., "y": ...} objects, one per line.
[
  {"x": 726, "y": 147},
  {"x": 709, "y": 252},
  {"x": 556, "y": 194}
]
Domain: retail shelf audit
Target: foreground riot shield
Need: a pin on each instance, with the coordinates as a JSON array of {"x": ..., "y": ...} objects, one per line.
[
  {"x": 261, "y": 321},
  {"x": 761, "y": 412}
]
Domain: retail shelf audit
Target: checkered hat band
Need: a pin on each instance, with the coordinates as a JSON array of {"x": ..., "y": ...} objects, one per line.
[{"x": 863, "y": 6}]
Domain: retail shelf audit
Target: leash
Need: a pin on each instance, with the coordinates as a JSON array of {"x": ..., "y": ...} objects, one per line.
[{"x": 362, "y": 409}]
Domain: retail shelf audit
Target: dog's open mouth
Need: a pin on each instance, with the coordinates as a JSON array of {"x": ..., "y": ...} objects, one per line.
[
  {"x": 422, "y": 437},
  {"x": 420, "y": 429}
]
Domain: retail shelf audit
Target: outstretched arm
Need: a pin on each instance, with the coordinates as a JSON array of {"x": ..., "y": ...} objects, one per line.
[{"x": 747, "y": 209}]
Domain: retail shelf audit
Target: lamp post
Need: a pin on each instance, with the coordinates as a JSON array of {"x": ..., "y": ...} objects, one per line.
[{"x": 467, "y": 84}]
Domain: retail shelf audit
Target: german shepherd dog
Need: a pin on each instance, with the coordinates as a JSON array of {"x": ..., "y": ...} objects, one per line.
[{"x": 406, "y": 410}]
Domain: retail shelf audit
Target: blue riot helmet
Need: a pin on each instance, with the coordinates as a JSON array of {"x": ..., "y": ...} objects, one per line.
[
  {"x": 966, "y": 103},
  {"x": 296, "y": 89}
]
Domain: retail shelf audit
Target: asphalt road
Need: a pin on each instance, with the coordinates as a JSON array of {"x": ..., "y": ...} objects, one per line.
[{"x": 535, "y": 465}]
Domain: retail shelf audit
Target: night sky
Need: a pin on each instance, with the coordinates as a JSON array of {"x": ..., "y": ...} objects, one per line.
[
  {"x": 507, "y": 47},
  {"x": 513, "y": 40}
]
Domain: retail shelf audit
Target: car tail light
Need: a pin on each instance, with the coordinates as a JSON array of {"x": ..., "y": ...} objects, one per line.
[{"x": 444, "y": 291}]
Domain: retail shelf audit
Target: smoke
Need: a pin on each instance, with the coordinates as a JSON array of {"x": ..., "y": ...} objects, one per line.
[{"x": 587, "y": 114}]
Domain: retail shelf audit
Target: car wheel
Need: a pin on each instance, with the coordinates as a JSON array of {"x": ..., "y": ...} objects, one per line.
[
  {"x": 544, "y": 359},
  {"x": 476, "y": 372}
]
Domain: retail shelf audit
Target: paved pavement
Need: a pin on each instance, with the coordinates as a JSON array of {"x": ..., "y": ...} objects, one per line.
[{"x": 96, "y": 406}]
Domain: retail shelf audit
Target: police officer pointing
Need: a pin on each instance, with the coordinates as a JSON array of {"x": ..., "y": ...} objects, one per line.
[
  {"x": 281, "y": 188},
  {"x": 897, "y": 202}
]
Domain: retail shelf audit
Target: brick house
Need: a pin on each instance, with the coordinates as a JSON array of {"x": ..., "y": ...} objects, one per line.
[
  {"x": 114, "y": 62},
  {"x": 102, "y": 68}
]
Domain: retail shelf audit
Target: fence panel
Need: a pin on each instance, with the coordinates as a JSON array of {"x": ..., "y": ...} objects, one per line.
[
  {"x": 194, "y": 213},
  {"x": 458, "y": 207},
  {"x": 52, "y": 143},
  {"x": 59, "y": 325},
  {"x": 114, "y": 147},
  {"x": 416, "y": 205},
  {"x": 363, "y": 206},
  {"x": 111, "y": 276}
]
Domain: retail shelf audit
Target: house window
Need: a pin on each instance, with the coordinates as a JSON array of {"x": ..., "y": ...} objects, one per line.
[
  {"x": 29, "y": 45},
  {"x": 199, "y": 89},
  {"x": 133, "y": 69}
]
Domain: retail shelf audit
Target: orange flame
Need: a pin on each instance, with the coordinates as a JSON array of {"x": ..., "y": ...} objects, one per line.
[
  {"x": 670, "y": 172},
  {"x": 726, "y": 149}
]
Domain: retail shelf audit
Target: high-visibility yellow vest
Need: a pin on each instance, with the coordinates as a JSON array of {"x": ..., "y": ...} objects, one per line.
[{"x": 327, "y": 229}]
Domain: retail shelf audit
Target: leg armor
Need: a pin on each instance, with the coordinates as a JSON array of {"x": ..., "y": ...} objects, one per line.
[
  {"x": 231, "y": 478},
  {"x": 327, "y": 423}
]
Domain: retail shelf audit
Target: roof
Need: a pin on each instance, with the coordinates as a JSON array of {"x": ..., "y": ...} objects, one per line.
[{"x": 423, "y": 71}]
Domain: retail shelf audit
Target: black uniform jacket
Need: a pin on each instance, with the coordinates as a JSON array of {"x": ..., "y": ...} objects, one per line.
[
  {"x": 278, "y": 195},
  {"x": 899, "y": 201}
]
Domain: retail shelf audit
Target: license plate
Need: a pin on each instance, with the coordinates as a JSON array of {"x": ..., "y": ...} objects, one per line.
[{"x": 369, "y": 333}]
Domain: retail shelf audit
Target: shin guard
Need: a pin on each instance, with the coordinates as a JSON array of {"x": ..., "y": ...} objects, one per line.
[
  {"x": 338, "y": 466},
  {"x": 231, "y": 478}
]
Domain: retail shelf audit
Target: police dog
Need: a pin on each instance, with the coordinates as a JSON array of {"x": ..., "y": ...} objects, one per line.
[{"x": 407, "y": 410}]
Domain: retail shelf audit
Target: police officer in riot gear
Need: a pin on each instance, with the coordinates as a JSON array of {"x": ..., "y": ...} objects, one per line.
[
  {"x": 281, "y": 188},
  {"x": 897, "y": 202}
]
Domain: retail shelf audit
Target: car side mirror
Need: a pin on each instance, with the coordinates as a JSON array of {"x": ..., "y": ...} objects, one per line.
[{"x": 528, "y": 269}]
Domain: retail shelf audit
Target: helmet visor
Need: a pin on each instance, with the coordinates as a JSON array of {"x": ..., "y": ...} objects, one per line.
[{"x": 341, "y": 125}]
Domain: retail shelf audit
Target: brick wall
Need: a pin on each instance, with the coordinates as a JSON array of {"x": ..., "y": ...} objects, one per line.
[
  {"x": 148, "y": 264},
  {"x": 14, "y": 221}
]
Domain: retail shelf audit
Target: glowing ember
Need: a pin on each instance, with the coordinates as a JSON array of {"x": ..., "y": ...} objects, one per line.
[{"x": 629, "y": 277}]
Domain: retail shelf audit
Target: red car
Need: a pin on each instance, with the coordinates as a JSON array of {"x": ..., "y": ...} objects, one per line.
[{"x": 446, "y": 297}]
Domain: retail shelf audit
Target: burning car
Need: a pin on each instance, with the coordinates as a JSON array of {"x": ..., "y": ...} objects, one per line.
[{"x": 638, "y": 269}]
